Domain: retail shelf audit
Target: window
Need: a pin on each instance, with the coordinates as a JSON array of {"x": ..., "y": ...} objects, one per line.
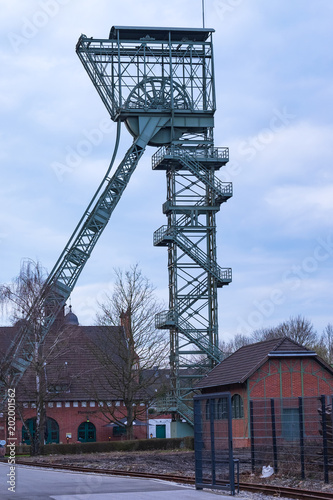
[
  {"x": 237, "y": 406},
  {"x": 220, "y": 407},
  {"x": 83, "y": 404},
  {"x": 75, "y": 404},
  {"x": 207, "y": 410},
  {"x": 58, "y": 388},
  {"x": 92, "y": 404},
  {"x": 118, "y": 431},
  {"x": 59, "y": 404},
  {"x": 67, "y": 404},
  {"x": 51, "y": 431},
  {"x": 86, "y": 432},
  {"x": 50, "y": 405},
  {"x": 221, "y": 410}
]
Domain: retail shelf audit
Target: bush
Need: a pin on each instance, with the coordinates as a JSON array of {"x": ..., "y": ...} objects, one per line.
[
  {"x": 20, "y": 449},
  {"x": 107, "y": 446}
]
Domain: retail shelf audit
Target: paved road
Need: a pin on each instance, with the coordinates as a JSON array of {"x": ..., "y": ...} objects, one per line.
[{"x": 33, "y": 483}]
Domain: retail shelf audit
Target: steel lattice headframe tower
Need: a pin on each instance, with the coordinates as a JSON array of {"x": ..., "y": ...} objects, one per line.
[
  {"x": 166, "y": 76},
  {"x": 162, "y": 80},
  {"x": 160, "y": 83}
]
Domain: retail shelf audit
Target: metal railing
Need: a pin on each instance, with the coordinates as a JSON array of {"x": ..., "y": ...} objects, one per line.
[
  {"x": 164, "y": 233},
  {"x": 198, "y": 154}
]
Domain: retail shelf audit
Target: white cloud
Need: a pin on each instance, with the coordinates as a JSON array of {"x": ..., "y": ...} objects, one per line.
[{"x": 298, "y": 208}]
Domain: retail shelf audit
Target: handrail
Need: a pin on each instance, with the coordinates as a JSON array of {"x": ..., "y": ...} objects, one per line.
[
  {"x": 212, "y": 153},
  {"x": 192, "y": 161},
  {"x": 171, "y": 316},
  {"x": 198, "y": 255}
]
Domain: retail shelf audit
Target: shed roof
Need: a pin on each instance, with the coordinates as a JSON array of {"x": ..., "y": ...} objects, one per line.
[{"x": 238, "y": 367}]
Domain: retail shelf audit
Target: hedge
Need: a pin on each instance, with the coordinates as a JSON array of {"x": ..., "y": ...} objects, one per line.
[
  {"x": 105, "y": 446},
  {"x": 20, "y": 449}
]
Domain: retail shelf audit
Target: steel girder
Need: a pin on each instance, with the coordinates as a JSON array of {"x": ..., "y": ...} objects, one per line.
[{"x": 64, "y": 275}]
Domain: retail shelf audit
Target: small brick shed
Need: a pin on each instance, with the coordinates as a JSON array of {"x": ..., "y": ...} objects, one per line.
[{"x": 277, "y": 368}]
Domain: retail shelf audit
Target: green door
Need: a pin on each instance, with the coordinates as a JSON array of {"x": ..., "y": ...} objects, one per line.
[
  {"x": 51, "y": 433},
  {"x": 160, "y": 431},
  {"x": 290, "y": 424},
  {"x": 86, "y": 432}
]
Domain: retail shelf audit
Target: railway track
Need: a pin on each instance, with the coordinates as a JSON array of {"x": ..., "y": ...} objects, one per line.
[{"x": 277, "y": 491}]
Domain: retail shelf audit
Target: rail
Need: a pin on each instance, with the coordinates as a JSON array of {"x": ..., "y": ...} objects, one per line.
[
  {"x": 274, "y": 490},
  {"x": 202, "y": 154}
]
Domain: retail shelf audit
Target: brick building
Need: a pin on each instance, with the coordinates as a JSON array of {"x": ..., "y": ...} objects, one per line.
[
  {"x": 277, "y": 368},
  {"x": 78, "y": 397}
]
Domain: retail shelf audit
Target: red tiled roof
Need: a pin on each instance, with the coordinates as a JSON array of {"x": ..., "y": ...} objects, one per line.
[
  {"x": 7, "y": 334},
  {"x": 73, "y": 365}
]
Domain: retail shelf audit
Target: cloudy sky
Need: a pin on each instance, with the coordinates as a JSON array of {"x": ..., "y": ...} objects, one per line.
[{"x": 274, "y": 72}]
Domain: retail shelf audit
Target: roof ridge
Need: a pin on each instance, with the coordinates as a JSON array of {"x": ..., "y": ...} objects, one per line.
[
  {"x": 292, "y": 341},
  {"x": 282, "y": 339}
]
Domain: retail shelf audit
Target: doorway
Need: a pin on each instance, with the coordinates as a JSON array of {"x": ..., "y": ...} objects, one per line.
[
  {"x": 161, "y": 431},
  {"x": 86, "y": 432}
]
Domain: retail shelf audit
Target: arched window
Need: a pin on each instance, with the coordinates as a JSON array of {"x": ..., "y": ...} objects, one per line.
[
  {"x": 237, "y": 406},
  {"x": 222, "y": 409},
  {"x": 51, "y": 432},
  {"x": 86, "y": 432},
  {"x": 207, "y": 409}
]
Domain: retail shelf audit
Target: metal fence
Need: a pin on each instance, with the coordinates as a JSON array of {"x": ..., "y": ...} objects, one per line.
[
  {"x": 292, "y": 435},
  {"x": 214, "y": 461}
]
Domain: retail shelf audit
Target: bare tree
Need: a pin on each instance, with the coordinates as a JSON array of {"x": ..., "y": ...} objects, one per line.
[
  {"x": 234, "y": 344},
  {"x": 128, "y": 355},
  {"x": 297, "y": 328},
  {"x": 300, "y": 330},
  {"x": 265, "y": 334},
  {"x": 20, "y": 298},
  {"x": 324, "y": 346}
]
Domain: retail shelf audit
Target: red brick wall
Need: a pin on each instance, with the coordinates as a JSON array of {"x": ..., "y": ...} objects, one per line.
[
  {"x": 290, "y": 378},
  {"x": 69, "y": 419}
]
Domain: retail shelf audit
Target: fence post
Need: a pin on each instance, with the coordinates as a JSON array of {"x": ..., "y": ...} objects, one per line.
[
  {"x": 252, "y": 437},
  {"x": 212, "y": 437},
  {"x": 323, "y": 421},
  {"x": 231, "y": 453},
  {"x": 301, "y": 435},
  {"x": 274, "y": 436},
  {"x": 198, "y": 442}
]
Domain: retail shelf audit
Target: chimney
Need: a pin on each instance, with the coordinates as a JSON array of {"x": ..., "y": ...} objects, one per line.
[{"x": 125, "y": 321}]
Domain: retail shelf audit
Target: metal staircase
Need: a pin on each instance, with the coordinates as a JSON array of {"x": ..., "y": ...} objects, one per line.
[
  {"x": 195, "y": 195},
  {"x": 164, "y": 235},
  {"x": 172, "y": 319}
]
